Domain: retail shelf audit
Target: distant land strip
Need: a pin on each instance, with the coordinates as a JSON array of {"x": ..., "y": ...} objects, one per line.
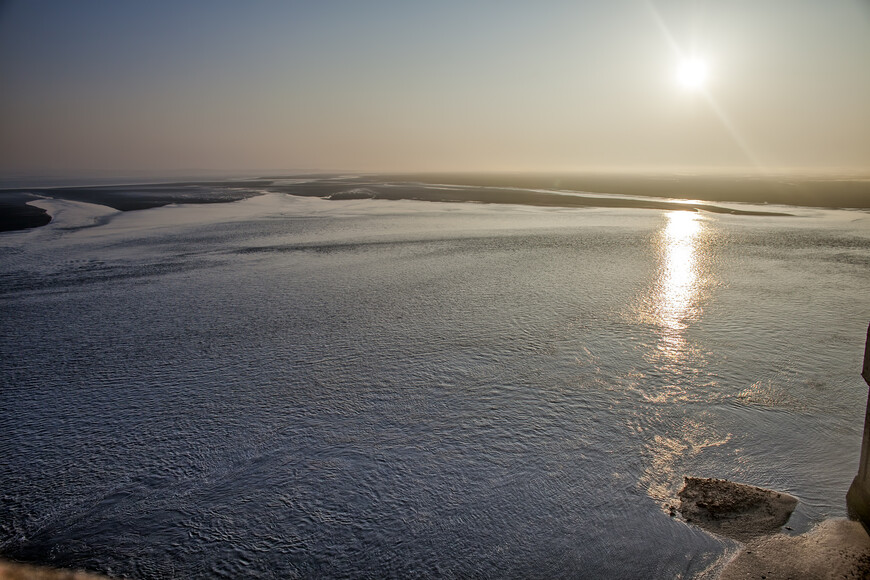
[
  {"x": 360, "y": 188},
  {"x": 568, "y": 191},
  {"x": 835, "y": 192}
]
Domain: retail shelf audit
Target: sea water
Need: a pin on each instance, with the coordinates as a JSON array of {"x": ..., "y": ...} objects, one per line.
[{"x": 285, "y": 387}]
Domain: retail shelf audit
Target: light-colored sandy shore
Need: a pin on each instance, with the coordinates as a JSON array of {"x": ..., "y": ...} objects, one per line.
[
  {"x": 836, "y": 548},
  {"x": 15, "y": 571}
]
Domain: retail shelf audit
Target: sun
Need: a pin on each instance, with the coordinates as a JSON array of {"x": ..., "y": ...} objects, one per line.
[{"x": 692, "y": 73}]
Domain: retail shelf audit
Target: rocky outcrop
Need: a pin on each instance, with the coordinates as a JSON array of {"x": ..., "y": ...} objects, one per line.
[{"x": 735, "y": 510}]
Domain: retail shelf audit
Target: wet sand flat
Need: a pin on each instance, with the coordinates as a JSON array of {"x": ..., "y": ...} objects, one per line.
[{"x": 17, "y": 213}]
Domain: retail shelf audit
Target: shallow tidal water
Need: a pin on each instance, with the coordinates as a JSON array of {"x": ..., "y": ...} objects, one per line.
[{"x": 285, "y": 387}]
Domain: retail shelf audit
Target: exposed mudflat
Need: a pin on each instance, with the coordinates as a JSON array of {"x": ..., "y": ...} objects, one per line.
[{"x": 735, "y": 510}]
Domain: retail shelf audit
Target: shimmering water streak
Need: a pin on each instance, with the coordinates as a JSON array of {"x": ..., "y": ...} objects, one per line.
[{"x": 677, "y": 292}]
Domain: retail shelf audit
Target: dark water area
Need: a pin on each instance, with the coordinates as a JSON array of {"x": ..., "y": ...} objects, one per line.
[
  {"x": 288, "y": 387},
  {"x": 16, "y": 214}
]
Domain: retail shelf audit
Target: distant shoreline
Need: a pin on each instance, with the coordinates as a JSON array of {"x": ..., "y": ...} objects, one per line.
[
  {"x": 835, "y": 192},
  {"x": 568, "y": 191}
]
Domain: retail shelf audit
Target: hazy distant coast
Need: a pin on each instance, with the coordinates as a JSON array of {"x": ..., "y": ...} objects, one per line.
[
  {"x": 435, "y": 191},
  {"x": 701, "y": 192},
  {"x": 827, "y": 191}
]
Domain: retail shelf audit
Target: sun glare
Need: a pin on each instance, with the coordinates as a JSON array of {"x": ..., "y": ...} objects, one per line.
[{"x": 692, "y": 73}]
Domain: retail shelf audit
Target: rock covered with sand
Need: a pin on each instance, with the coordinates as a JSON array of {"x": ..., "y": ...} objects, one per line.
[{"x": 735, "y": 510}]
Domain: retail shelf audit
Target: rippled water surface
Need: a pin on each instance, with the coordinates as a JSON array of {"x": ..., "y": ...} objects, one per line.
[{"x": 282, "y": 387}]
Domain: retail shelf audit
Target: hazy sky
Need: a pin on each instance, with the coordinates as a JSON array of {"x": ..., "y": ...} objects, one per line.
[{"x": 443, "y": 85}]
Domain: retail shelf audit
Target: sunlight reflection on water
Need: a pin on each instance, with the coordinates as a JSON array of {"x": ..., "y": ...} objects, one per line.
[{"x": 676, "y": 299}]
